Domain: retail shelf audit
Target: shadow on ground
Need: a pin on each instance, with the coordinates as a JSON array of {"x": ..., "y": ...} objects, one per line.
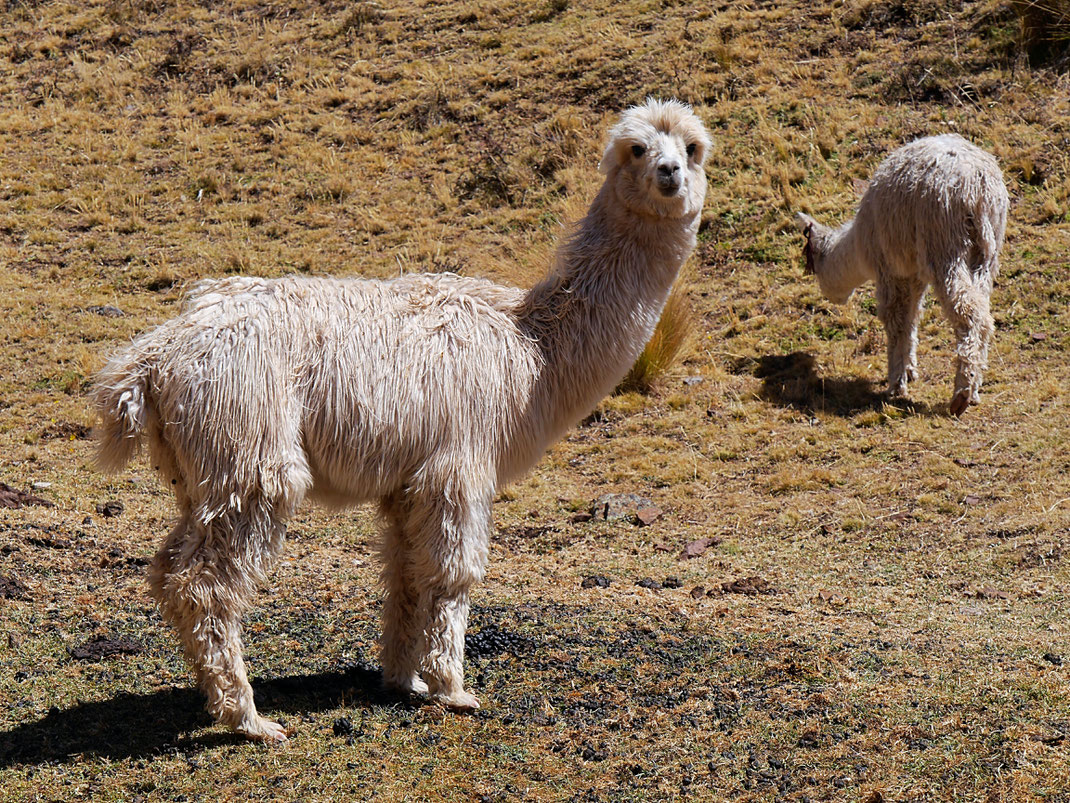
[
  {"x": 135, "y": 725},
  {"x": 791, "y": 380}
]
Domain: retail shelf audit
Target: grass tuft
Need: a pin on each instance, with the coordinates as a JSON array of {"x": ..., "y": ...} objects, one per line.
[{"x": 667, "y": 347}]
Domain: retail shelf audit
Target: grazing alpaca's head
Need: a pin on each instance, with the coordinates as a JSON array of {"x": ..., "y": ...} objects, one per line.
[
  {"x": 831, "y": 257},
  {"x": 654, "y": 159}
]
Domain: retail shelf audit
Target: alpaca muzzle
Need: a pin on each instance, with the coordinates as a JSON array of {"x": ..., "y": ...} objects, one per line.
[{"x": 668, "y": 179}]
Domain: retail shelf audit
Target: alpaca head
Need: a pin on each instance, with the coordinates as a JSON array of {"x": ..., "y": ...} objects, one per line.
[
  {"x": 837, "y": 277},
  {"x": 654, "y": 159}
]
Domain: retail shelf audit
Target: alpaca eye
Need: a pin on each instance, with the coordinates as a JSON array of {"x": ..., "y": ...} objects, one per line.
[
  {"x": 638, "y": 150},
  {"x": 691, "y": 150}
]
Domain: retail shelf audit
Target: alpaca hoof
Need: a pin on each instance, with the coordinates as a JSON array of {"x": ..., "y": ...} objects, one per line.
[
  {"x": 912, "y": 374},
  {"x": 459, "y": 701},
  {"x": 959, "y": 402},
  {"x": 411, "y": 685},
  {"x": 897, "y": 389},
  {"x": 262, "y": 729}
]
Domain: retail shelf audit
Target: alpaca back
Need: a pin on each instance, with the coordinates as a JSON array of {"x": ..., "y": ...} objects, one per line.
[
  {"x": 350, "y": 389},
  {"x": 934, "y": 202}
]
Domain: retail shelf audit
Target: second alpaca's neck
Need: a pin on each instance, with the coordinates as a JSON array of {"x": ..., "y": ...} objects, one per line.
[
  {"x": 842, "y": 264},
  {"x": 593, "y": 314}
]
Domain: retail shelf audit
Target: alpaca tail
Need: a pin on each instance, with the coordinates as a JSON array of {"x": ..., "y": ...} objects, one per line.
[
  {"x": 991, "y": 223},
  {"x": 120, "y": 397}
]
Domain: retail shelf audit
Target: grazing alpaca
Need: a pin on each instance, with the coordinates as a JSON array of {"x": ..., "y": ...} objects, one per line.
[
  {"x": 425, "y": 392},
  {"x": 934, "y": 213}
]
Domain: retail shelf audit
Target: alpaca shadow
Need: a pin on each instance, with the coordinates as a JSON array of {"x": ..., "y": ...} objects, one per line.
[
  {"x": 791, "y": 380},
  {"x": 138, "y": 725}
]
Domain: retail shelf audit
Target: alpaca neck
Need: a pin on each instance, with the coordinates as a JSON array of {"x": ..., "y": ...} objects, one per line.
[
  {"x": 593, "y": 314},
  {"x": 843, "y": 265}
]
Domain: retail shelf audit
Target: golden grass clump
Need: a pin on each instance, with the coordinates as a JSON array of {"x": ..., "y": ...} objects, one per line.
[{"x": 667, "y": 347}]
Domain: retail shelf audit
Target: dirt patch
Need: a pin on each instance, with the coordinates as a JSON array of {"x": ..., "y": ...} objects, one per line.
[
  {"x": 12, "y": 588},
  {"x": 100, "y": 647}
]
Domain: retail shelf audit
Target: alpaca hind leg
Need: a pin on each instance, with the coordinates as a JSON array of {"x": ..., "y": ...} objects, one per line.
[
  {"x": 899, "y": 308},
  {"x": 967, "y": 308},
  {"x": 402, "y": 623},
  {"x": 204, "y": 577},
  {"x": 450, "y": 540}
]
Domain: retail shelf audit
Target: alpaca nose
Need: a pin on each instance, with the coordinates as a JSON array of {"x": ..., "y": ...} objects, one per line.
[
  {"x": 668, "y": 177},
  {"x": 668, "y": 169}
]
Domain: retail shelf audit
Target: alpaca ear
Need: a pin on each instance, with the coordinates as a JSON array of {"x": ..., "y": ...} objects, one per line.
[
  {"x": 803, "y": 222},
  {"x": 806, "y": 226},
  {"x": 613, "y": 157}
]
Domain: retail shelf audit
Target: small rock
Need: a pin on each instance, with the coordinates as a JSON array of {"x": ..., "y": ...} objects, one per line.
[
  {"x": 595, "y": 581},
  {"x": 110, "y": 510},
  {"x": 671, "y": 582},
  {"x": 646, "y": 516},
  {"x": 13, "y": 498},
  {"x": 618, "y": 506},
  {"x": 692, "y": 380},
  {"x": 971, "y": 499},
  {"x": 580, "y": 518},
  {"x": 749, "y": 586},
  {"x": 87, "y": 521},
  {"x": 698, "y": 592},
  {"x": 696, "y": 548},
  {"x": 40, "y": 486},
  {"x": 1053, "y": 658},
  {"x": 106, "y": 310},
  {"x": 1038, "y": 337},
  {"x": 987, "y": 592},
  {"x": 647, "y": 582}
]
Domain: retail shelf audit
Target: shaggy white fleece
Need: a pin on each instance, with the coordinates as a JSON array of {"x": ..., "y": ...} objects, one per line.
[
  {"x": 935, "y": 214},
  {"x": 425, "y": 393}
]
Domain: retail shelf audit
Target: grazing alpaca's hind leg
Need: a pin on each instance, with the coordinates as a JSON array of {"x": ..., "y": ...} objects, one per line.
[
  {"x": 402, "y": 621},
  {"x": 966, "y": 305},
  {"x": 204, "y": 577},
  {"x": 449, "y": 536},
  {"x": 899, "y": 309}
]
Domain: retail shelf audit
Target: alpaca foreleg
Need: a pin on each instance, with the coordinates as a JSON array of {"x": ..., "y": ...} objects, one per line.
[
  {"x": 203, "y": 581},
  {"x": 402, "y": 621},
  {"x": 899, "y": 309},
  {"x": 443, "y": 662},
  {"x": 453, "y": 552}
]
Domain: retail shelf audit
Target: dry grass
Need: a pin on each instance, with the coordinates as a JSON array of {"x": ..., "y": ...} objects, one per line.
[
  {"x": 911, "y": 647},
  {"x": 1045, "y": 29},
  {"x": 672, "y": 338}
]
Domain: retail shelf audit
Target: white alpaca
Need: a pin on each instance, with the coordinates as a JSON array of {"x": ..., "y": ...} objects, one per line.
[
  {"x": 934, "y": 213},
  {"x": 426, "y": 393}
]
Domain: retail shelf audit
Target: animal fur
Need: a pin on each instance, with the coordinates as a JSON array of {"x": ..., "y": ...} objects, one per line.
[
  {"x": 935, "y": 214},
  {"x": 425, "y": 393}
]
